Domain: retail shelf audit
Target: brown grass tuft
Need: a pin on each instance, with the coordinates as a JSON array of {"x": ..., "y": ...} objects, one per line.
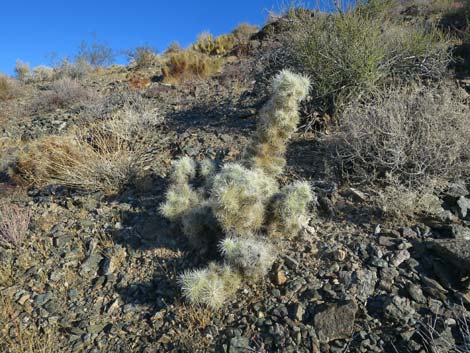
[{"x": 186, "y": 65}]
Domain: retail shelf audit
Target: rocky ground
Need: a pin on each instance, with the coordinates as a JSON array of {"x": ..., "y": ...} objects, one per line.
[{"x": 99, "y": 274}]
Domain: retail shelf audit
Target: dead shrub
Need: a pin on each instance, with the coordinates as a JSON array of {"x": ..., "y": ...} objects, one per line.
[
  {"x": 143, "y": 57},
  {"x": 188, "y": 65},
  {"x": 9, "y": 88},
  {"x": 413, "y": 133},
  {"x": 14, "y": 222},
  {"x": 62, "y": 93}
]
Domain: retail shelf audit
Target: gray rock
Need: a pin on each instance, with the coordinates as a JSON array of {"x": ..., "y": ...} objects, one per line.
[
  {"x": 239, "y": 344},
  {"x": 399, "y": 309},
  {"x": 454, "y": 251},
  {"x": 416, "y": 293},
  {"x": 365, "y": 281},
  {"x": 90, "y": 265},
  {"x": 335, "y": 321},
  {"x": 463, "y": 205},
  {"x": 296, "y": 311},
  {"x": 399, "y": 257}
]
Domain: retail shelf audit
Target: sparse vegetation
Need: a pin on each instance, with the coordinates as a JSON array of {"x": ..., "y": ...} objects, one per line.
[
  {"x": 8, "y": 88},
  {"x": 143, "y": 57},
  {"x": 61, "y": 94},
  {"x": 349, "y": 54},
  {"x": 413, "y": 133},
  {"x": 188, "y": 65},
  {"x": 23, "y": 71},
  {"x": 209, "y": 45},
  {"x": 14, "y": 222},
  {"x": 95, "y": 53}
]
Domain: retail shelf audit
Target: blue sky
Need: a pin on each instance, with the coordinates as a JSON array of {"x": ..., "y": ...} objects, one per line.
[{"x": 31, "y": 29}]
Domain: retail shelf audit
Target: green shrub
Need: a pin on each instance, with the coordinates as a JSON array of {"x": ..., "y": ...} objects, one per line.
[{"x": 350, "y": 53}]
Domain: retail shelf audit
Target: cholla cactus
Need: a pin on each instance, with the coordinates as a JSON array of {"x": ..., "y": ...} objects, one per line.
[
  {"x": 210, "y": 286},
  {"x": 278, "y": 121},
  {"x": 288, "y": 210},
  {"x": 253, "y": 256},
  {"x": 180, "y": 197},
  {"x": 239, "y": 196},
  {"x": 228, "y": 206}
]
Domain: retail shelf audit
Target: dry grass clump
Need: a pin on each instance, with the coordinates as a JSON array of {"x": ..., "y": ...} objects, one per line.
[
  {"x": 9, "y": 89},
  {"x": 209, "y": 45},
  {"x": 75, "y": 70},
  {"x": 350, "y": 53},
  {"x": 243, "y": 32},
  {"x": 413, "y": 133},
  {"x": 62, "y": 93},
  {"x": 188, "y": 64},
  {"x": 104, "y": 157},
  {"x": 14, "y": 223},
  {"x": 227, "y": 207}
]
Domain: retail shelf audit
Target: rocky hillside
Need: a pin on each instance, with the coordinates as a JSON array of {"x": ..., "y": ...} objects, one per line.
[{"x": 379, "y": 262}]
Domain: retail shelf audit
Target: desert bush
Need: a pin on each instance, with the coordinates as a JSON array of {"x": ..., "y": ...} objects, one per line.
[
  {"x": 189, "y": 64},
  {"x": 349, "y": 53},
  {"x": 61, "y": 94},
  {"x": 105, "y": 155},
  {"x": 74, "y": 70},
  {"x": 224, "y": 208},
  {"x": 174, "y": 47},
  {"x": 143, "y": 57},
  {"x": 8, "y": 88},
  {"x": 243, "y": 32},
  {"x": 398, "y": 200},
  {"x": 209, "y": 45},
  {"x": 95, "y": 53},
  {"x": 412, "y": 133},
  {"x": 43, "y": 73},
  {"x": 23, "y": 71},
  {"x": 14, "y": 222}
]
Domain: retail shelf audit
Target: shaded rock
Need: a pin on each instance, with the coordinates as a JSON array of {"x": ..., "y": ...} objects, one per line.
[
  {"x": 365, "y": 281},
  {"x": 454, "y": 251},
  {"x": 399, "y": 257},
  {"x": 335, "y": 321},
  {"x": 399, "y": 309},
  {"x": 239, "y": 344}
]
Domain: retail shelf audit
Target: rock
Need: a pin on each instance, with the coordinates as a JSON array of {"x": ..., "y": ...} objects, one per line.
[
  {"x": 280, "y": 278},
  {"x": 399, "y": 309},
  {"x": 239, "y": 344},
  {"x": 296, "y": 311},
  {"x": 433, "y": 288},
  {"x": 416, "y": 293},
  {"x": 356, "y": 194},
  {"x": 387, "y": 277},
  {"x": 113, "y": 257},
  {"x": 90, "y": 265},
  {"x": 290, "y": 262},
  {"x": 399, "y": 257},
  {"x": 454, "y": 251},
  {"x": 335, "y": 321},
  {"x": 463, "y": 205},
  {"x": 365, "y": 281}
]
